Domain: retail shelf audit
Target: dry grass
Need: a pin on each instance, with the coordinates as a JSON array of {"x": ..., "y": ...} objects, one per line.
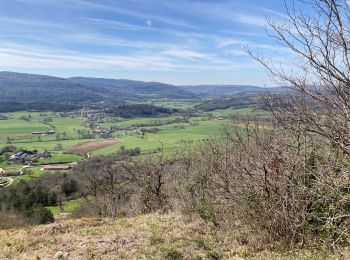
[
  {"x": 153, "y": 236},
  {"x": 88, "y": 147}
]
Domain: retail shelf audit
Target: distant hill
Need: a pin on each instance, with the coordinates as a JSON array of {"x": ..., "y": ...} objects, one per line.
[
  {"x": 18, "y": 87},
  {"x": 239, "y": 99},
  {"x": 36, "y": 91},
  {"x": 133, "y": 88},
  {"x": 25, "y": 88},
  {"x": 221, "y": 90}
]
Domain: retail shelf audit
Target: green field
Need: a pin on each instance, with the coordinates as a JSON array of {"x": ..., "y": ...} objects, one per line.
[
  {"x": 173, "y": 132},
  {"x": 170, "y": 135}
]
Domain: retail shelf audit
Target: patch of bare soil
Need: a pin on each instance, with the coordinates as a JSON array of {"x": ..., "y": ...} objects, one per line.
[{"x": 88, "y": 147}]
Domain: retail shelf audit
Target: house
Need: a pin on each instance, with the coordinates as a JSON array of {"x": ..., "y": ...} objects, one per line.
[
  {"x": 61, "y": 167},
  {"x": 28, "y": 156},
  {"x": 102, "y": 131}
]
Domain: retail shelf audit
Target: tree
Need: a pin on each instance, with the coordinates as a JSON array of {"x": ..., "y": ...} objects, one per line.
[
  {"x": 305, "y": 184},
  {"x": 68, "y": 186},
  {"x": 58, "y": 147},
  {"x": 319, "y": 98},
  {"x": 28, "y": 172}
]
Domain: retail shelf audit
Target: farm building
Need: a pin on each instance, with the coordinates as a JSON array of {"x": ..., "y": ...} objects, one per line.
[
  {"x": 10, "y": 174},
  {"x": 20, "y": 155},
  {"x": 44, "y": 133},
  {"x": 102, "y": 131},
  {"x": 62, "y": 167}
]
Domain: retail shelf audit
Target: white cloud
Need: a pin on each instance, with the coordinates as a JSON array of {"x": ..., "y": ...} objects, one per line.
[
  {"x": 249, "y": 19},
  {"x": 40, "y": 57}
]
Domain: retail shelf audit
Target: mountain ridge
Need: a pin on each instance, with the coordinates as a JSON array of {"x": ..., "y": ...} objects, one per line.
[{"x": 26, "y": 88}]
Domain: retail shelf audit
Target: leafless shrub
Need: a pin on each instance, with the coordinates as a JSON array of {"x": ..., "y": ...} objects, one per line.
[
  {"x": 278, "y": 183},
  {"x": 11, "y": 219}
]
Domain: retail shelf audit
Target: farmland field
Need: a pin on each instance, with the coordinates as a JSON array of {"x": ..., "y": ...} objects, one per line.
[
  {"x": 88, "y": 147},
  {"x": 69, "y": 145}
]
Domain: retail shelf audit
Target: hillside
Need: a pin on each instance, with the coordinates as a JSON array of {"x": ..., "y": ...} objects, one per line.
[
  {"x": 222, "y": 90},
  {"x": 17, "y": 88},
  {"x": 244, "y": 97},
  {"x": 133, "y": 88},
  {"x": 28, "y": 88},
  {"x": 151, "y": 236},
  {"x": 240, "y": 100}
]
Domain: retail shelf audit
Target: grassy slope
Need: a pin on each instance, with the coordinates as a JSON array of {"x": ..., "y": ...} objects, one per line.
[
  {"x": 68, "y": 207},
  {"x": 151, "y": 236}
]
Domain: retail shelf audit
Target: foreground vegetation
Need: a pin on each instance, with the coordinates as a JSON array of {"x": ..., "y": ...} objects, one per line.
[{"x": 153, "y": 236}]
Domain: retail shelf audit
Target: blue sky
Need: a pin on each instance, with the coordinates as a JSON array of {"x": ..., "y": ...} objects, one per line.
[{"x": 172, "y": 41}]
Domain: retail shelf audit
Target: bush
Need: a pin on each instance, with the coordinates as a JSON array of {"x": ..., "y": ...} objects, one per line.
[
  {"x": 11, "y": 219},
  {"x": 173, "y": 254},
  {"x": 214, "y": 255},
  {"x": 42, "y": 215},
  {"x": 28, "y": 202},
  {"x": 285, "y": 193}
]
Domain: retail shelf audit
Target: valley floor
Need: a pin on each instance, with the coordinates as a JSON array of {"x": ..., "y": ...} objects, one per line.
[{"x": 154, "y": 236}]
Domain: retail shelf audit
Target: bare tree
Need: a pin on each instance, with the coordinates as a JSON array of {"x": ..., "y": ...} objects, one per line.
[
  {"x": 312, "y": 168},
  {"x": 319, "y": 100}
]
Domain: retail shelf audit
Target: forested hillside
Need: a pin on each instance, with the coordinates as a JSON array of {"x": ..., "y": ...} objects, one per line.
[
  {"x": 29, "y": 88},
  {"x": 25, "y": 88}
]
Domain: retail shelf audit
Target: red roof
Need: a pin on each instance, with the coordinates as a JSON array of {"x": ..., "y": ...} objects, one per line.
[{"x": 57, "y": 167}]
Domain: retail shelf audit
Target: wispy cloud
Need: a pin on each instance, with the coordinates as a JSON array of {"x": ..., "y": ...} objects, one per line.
[
  {"x": 114, "y": 8},
  {"x": 134, "y": 35},
  {"x": 249, "y": 19},
  {"x": 26, "y": 22},
  {"x": 21, "y": 56}
]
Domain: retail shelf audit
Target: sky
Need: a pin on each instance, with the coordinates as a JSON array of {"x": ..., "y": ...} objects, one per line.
[{"x": 173, "y": 41}]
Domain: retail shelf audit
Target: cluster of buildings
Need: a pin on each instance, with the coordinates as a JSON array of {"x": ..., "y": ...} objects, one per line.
[
  {"x": 26, "y": 156},
  {"x": 85, "y": 112}
]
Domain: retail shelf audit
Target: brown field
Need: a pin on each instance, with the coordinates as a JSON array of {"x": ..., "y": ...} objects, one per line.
[{"x": 88, "y": 147}]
